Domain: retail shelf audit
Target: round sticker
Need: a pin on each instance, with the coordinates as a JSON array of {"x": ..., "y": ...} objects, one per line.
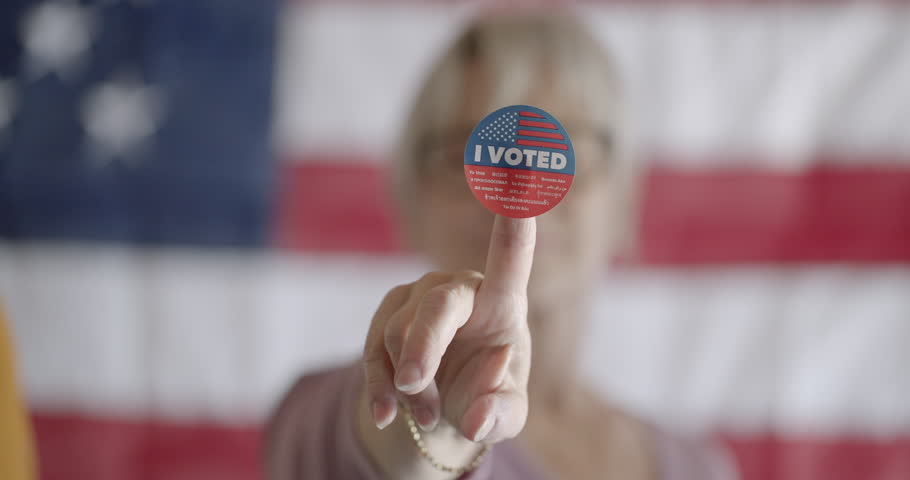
[{"x": 519, "y": 161}]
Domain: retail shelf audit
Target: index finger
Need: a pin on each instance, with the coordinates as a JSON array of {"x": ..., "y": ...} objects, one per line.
[{"x": 510, "y": 256}]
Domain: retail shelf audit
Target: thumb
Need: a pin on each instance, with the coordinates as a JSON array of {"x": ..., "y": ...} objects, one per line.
[{"x": 486, "y": 405}]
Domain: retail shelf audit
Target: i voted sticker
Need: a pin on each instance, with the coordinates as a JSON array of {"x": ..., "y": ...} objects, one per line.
[{"x": 519, "y": 161}]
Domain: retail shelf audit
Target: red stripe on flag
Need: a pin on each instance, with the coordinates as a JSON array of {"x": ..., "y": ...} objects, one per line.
[
  {"x": 535, "y": 143},
  {"x": 535, "y": 133},
  {"x": 107, "y": 448},
  {"x": 772, "y": 457},
  {"x": 531, "y": 114},
  {"x": 828, "y": 214},
  {"x": 532, "y": 123},
  {"x": 334, "y": 205}
]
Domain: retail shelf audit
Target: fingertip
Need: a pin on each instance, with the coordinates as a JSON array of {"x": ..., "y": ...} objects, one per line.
[
  {"x": 426, "y": 419},
  {"x": 479, "y": 419},
  {"x": 485, "y": 428},
  {"x": 425, "y": 407},
  {"x": 384, "y": 412},
  {"x": 408, "y": 378},
  {"x": 507, "y": 410}
]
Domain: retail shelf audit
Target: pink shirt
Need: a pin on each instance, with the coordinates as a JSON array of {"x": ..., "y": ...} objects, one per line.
[{"x": 312, "y": 436}]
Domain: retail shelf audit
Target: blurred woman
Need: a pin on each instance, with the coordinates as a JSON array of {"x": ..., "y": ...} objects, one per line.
[{"x": 446, "y": 387}]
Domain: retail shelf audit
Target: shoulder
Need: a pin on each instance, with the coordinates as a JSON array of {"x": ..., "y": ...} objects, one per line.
[
  {"x": 316, "y": 387},
  {"x": 312, "y": 393},
  {"x": 312, "y": 425}
]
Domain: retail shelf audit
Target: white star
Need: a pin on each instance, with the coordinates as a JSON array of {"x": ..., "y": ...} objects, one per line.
[
  {"x": 120, "y": 117},
  {"x": 7, "y": 103},
  {"x": 56, "y": 36}
]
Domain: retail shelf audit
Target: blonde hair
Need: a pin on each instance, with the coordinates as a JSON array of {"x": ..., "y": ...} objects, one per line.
[{"x": 512, "y": 51}]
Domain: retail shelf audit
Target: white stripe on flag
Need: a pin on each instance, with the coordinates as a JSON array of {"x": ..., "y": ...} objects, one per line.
[{"x": 707, "y": 83}]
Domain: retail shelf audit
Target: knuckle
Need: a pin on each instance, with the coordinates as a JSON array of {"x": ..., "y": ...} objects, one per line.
[
  {"x": 375, "y": 385},
  {"x": 430, "y": 334},
  {"x": 507, "y": 304},
  {"x": 371, "y": 344},
  {"x": 470, "y": 276},
  {"x": 374, "y": 369},
  {"x": 398, "y": 291},
  {"x": 372, "y": 365},
  {"x": 441, "y": 298},
  {"x": 433, "y": 278},
  {"x": 393, "y": 336},
  {"x": 369, "y": 350},
  {"x": 517, "y": 236}
]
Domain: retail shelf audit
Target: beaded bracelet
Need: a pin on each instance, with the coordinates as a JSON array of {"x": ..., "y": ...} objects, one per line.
[{"x": 421, "y": 446}]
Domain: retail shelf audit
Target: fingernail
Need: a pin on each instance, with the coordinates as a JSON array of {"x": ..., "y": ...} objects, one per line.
[
  {"x": 381, "y": 422},
  {"x": 425, "y": 418},
  {"x": 485, "y": 429},
  {"x": 407, "y": 378}
]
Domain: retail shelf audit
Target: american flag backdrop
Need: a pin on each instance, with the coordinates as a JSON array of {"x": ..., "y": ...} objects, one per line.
[{"x": 169, "y": 262}]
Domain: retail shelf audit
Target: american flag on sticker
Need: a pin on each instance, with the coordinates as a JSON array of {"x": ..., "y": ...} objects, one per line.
[{"x": 525, "y": 128}]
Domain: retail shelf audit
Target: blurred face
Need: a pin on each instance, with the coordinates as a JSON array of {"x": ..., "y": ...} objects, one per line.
[{"x": 453, "y": 228}]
